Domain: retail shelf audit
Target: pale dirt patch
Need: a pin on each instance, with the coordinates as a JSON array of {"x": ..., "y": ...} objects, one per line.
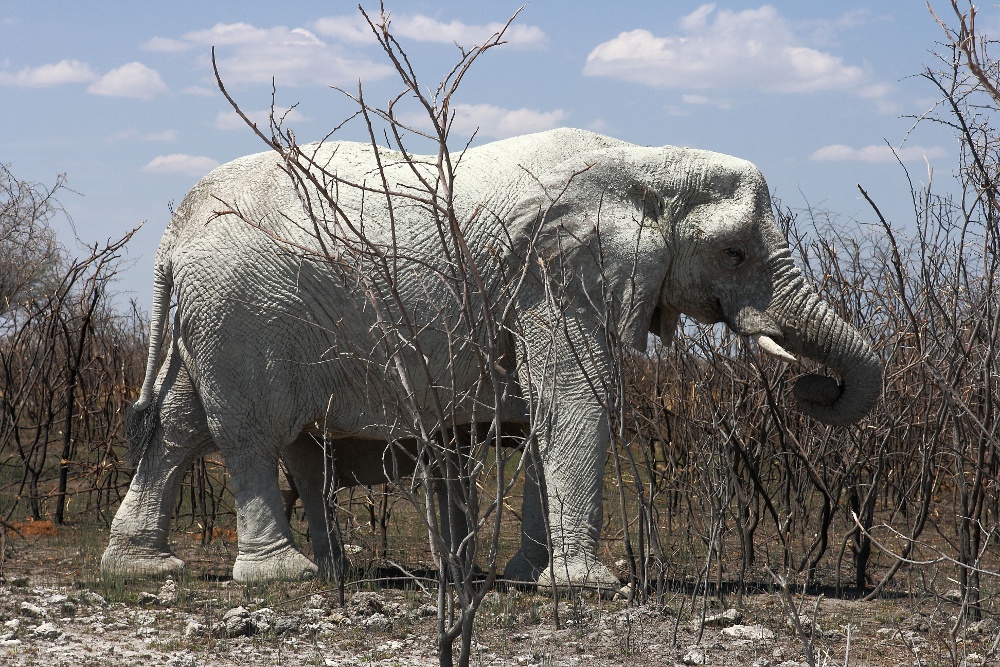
[{"x": 55, "y": 610}]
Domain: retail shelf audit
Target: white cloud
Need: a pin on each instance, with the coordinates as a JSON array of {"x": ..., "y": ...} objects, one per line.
[
  {"x": 179, "y": 163},
  {"x": 53, "y": 74},
  {"x": 419, "y": 28},
  {"x": 724, "y": 49},
  {"x": 876, "y": 153},
  {"x": 424, "y": 29},
  {"x": 498, "y": 123},
  {"x": 346, "y": 28},
  {"x": 248, "y": 54},
  {"x": 131, "y": 80},
  {"x": 487, "y": 120},
  {"x": 230, "y": 120},
  {"x": 704, "y": 100},
  {"x": 165, "y": 45}
]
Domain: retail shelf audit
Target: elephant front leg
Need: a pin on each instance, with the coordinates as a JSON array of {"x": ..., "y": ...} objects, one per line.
[
  {"x": 573, "y": 469},
  {"x": 266, "y": 550},
  {"x": 566, "y": 369}
]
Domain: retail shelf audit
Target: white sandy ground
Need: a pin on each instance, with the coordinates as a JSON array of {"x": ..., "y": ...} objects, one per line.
[{"x": 55, "y": 626}]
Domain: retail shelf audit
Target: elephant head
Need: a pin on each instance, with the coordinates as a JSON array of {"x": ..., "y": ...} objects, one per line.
[
  {"x": 709, "y": 243},
  {"x": 733, "y": 265}
]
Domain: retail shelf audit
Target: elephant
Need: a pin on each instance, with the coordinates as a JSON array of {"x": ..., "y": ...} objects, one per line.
[{"x": 606, "y": 241}]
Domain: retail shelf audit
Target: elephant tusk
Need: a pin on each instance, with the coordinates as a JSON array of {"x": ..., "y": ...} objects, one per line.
[{"x": 767, "y": 344}]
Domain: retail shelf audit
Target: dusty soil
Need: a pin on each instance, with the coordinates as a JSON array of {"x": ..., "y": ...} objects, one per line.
[{"x": 55, "y": 609}]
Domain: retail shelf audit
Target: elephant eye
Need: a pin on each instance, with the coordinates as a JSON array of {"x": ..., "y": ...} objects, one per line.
[{"x": 736, "y": 256}]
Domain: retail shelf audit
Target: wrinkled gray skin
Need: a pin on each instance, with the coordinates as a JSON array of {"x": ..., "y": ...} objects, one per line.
[{"x": 266, "y": 343}]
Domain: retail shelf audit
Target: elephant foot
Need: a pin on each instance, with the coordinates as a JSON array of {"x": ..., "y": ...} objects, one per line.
[
  {"x": 578, "y": 572},
  {"x": 286, "y": 564},
  {"x": 119, "y": 561},
  {"x": 521, "y": 569}
]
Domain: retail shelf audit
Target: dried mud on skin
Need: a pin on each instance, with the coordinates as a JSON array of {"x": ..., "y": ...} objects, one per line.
[{"x": 53, "y": 613}]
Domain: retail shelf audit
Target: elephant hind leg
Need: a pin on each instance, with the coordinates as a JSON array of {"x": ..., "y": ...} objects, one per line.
[{"x": 138, "y": 543}]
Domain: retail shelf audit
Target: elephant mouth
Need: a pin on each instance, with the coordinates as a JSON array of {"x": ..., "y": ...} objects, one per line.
[{"x": 811, "y": 389}]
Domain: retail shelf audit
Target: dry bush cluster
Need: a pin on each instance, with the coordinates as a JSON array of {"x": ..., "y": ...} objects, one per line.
[
  {"x": 68, "y": 362},
  {"x": 715, "y": 485}
]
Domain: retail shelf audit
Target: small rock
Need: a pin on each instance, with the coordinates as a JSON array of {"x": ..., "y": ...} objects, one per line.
[
  {"x": 145, "y": 597},
  {"x": 168, "y": 593},
  {"x": 377, "y": 622},
  {"x": 352, "y": 549},
  {"x": 427, "y": 610},
  {"x": 194, "y": 629},
  {"x": 316, "y": 601},
  {"x": 146, "y": 632},
  {"x": 973, "y": 660},
  {"x": 236, "y": 623},
  {"x": 235, "y": 612},
  {"x": 13, "y": 624},
  {"x": 56, "y": 599},
  {"x": 34, "y": 611},
  {"x": 757, "y": 632},
  {"x": 695, "y": 656},
  {"x": 286, "y": 625},
  {"x": 953, "y": 595},
  {"x": 726, "y": 619},
  {"x": 48, "y": 630},
  {"x": 338, "y": 619},
  {"x": 366, "y": 603},
  {"x": 262, "y": 620},
  {"x": 313, "y": 614},
  {"x": 91, "y": 598}
]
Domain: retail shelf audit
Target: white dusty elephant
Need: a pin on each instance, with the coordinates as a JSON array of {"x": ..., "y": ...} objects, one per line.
[{"x": 612, "y": 236}]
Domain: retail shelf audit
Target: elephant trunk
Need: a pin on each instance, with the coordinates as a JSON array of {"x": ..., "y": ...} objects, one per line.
[{"x": 809, "y": 326}]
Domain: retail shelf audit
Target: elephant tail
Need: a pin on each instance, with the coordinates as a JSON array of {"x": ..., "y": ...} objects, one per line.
[
  {"x": 139, "y": 428},
  {"x": 142, "y": 416},
  {"x": 157, "y": 324}
]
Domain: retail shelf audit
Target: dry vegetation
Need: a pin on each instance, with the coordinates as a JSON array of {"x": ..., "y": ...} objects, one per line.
[{"x": 718, "y": 494}]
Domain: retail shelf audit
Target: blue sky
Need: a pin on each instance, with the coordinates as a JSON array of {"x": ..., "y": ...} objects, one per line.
[{"x": 120, "y": 96}]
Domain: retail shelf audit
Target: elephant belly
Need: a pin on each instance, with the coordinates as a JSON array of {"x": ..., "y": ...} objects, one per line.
[{"x": 370, "y": 462}]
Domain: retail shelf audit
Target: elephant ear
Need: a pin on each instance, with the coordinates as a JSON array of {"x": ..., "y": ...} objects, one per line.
[{"x": 593, "y": 225}]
